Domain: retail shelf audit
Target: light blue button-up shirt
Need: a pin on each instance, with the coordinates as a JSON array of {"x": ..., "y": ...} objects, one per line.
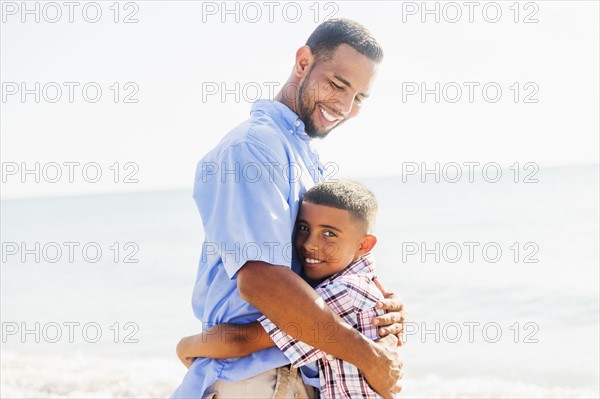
[{"x": 248, "y": 191}]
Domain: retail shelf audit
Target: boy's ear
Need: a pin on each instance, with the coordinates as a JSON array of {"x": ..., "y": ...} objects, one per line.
[{"x": 367, "y": 243}]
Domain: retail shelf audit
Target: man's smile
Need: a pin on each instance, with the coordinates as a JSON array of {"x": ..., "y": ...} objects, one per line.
[{"x": 329, "y": 118}]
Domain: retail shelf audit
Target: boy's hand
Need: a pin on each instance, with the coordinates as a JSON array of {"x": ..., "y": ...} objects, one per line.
[
  {"x": 182, "y": 352},
  {"x": 393, "y": 321}
]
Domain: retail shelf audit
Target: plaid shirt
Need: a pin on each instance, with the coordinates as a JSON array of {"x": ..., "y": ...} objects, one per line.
[{"x": 352, "y": 294}]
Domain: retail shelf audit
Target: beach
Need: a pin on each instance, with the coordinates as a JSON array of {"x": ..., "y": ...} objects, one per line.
[{"x": 500, "y": 281}]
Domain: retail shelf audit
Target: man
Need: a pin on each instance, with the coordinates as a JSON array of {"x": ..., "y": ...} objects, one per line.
[{"x": 248, "y": 191}]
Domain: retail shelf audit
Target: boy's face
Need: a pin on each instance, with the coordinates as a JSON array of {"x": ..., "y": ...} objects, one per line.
[{"x": 329, "y": 239}]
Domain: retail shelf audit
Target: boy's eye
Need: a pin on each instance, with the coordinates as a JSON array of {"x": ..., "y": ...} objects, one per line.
[
  {"x": 302, "y": 228},
  {"x": 329, "y": 233}
]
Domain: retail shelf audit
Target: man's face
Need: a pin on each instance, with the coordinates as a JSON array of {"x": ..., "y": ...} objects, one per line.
[
  {"x": 327, "y": 240},
  {"x": 333, "y": 90}
]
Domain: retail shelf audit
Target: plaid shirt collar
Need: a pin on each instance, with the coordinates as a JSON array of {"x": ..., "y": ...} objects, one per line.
[{"x": 363, "y": 265}]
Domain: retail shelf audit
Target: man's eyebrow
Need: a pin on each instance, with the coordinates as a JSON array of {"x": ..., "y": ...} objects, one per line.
[{"x": 344, "y": 81}]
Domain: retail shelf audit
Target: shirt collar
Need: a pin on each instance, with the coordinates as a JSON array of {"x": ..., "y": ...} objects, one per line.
[
  {"x": 292, "y": 122},
  {"x": 363, "y": 265}
]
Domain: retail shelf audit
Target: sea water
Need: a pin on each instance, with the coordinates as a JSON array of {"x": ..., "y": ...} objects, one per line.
[{"x": 500, "y": 280}]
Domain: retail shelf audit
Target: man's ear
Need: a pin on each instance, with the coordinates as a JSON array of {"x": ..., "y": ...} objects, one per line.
[
  {"x": 304, "y": 59},
  {"x": 366, "y": 244}
]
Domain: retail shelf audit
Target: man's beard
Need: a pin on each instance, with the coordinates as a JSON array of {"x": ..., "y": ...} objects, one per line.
[{"x": 305, "y": 112}]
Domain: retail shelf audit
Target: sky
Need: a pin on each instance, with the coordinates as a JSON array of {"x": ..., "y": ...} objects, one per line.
[{"x": 130, "y": 96}]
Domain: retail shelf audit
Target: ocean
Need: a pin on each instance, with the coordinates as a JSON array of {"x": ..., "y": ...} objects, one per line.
[{"x": 500, "y": 281}]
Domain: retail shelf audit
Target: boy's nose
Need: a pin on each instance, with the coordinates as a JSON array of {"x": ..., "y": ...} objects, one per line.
[{"x": 310, "y": 244}]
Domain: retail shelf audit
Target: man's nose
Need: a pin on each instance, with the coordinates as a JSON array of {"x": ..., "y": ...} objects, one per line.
[{"x": 346, "y": 103}]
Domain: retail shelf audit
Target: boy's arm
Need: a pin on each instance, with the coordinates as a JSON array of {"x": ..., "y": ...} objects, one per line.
[{"x": 224, "y": 341}]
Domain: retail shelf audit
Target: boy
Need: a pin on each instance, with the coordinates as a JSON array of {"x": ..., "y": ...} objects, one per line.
[{"x": 333, "y": 241}]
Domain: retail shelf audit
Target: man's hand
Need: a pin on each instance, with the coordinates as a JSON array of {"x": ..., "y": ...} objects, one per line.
[
  {"x": 393, "y": 321},
  {"x": 390, "y": 341},
  {"x": 384, "y": 376},
  {"x": 267, "y": 287}
]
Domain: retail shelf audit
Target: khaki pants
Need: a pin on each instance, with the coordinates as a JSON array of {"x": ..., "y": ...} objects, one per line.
[{"x": 281, "y": 383}]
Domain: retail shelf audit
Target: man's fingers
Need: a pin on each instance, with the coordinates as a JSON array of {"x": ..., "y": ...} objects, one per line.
[
  {"x": 391, "y": 303},
  {"x": 389, "y": 318},
  {"x": 394, "y": 329},
  {"x": 398, "y": 386},
  {"x": 401, "y": 372},
  {"x": 390, "y": 341}
]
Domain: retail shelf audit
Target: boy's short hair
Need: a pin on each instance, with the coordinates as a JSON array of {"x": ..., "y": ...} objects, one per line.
[{"x": 348, "y": 195}]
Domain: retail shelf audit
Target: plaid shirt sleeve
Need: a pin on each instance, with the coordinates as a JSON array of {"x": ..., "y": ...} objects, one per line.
[{"x": 338, "y": 298}]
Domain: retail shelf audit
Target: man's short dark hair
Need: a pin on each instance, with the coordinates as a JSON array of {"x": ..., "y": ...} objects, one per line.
[
  {"x": 331, "y": 33},
  {"x": 348, "y": 195}
]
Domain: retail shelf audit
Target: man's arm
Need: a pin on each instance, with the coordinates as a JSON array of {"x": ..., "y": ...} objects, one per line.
[
  {"x": 224, "y": 341},
  {"x": 296, "y": 308}
]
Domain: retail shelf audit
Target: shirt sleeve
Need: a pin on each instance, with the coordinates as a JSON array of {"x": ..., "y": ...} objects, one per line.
[
  {"x": 243, "y": 199},
  {"x": 299, "y": 353},
  {"x": 364, "y": 319},
  {"x": 364, "y": 295}
]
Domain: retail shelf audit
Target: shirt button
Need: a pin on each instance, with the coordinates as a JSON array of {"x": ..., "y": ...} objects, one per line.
[
  {"x": 297, "y": 123},
  {"x": 291, "y": 131}
]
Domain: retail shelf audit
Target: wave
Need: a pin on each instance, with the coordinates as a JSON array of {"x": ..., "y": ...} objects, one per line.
[{"x": 79, "y": 376}]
